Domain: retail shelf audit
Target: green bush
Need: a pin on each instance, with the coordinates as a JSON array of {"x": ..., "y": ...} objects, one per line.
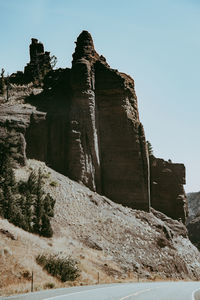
[
  {"x": 63, "y": 268},
  {"x": 53, "y": 183}
]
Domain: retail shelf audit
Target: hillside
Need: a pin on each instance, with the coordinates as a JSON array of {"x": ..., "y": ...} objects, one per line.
[{"x": 118, "y": 242}]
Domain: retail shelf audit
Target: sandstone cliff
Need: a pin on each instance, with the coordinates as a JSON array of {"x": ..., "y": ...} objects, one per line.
[{"x": 85, "y": 124}]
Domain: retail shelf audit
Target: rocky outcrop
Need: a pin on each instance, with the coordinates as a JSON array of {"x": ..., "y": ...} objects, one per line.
[
  {"x": 193, "y": 220},
  {"x": 107, "y": 150},
  {"x": 167, "y": 192},
  {"x": 193, "y": 205},
  {"x": 39, "y": 64},
  {"x": 193, "y": 227},
  {"x": 13, "y": 123},
  {"x": 86, "y": 125}
]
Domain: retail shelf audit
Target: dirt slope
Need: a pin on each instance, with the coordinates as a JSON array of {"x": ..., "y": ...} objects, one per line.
[{"x": 118, "y": 242}]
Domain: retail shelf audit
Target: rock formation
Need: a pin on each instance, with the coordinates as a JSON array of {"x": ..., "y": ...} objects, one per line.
[
  {"x": 86, "y": 126},
  {"x": 107, "y": 145},
  {"x": 39, "y": 64},
  {"x": 167, "y": 192},
  {"x": 193, "y": 220},
  {"x": 193, "y": 231}
]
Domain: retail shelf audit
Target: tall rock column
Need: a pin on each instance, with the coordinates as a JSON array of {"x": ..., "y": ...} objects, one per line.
[
  {"x": 83, "y": 156},
  {"x": 107, "y": 148},
  {"x": 39, "y": 64}
]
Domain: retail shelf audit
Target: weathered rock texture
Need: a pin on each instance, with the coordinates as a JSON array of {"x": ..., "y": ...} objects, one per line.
[
  {"x": 13, "y": 123},
  {"x": 193, "y": 231},
  {"x": 39, "y": 64},
  {"x": 167, "y": 192},
  {"x": 86, "y": 126},
  {"x": 193, "y": 220},
  {"x": 107, "y": 150},
  {"x": 193, "y": 205}
]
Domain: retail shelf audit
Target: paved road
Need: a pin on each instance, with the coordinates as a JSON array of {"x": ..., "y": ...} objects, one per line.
[{"x": 128, "y": 291}]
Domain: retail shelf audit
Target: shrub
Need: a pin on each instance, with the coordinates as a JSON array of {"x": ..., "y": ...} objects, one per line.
[
  {"x": 63, "y": 268},
  {"x": 49, "y": 285},
  {"x": 53, "y": 183}
]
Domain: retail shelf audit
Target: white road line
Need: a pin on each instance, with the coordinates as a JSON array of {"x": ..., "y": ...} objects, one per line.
[
  {"x": 66, "y": 295},
  {"x": 193, "y": 294},
  {"x": 138, "y": 293}
]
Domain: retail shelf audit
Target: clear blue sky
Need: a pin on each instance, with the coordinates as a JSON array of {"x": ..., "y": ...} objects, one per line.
[{"x": 157, "y": 42}]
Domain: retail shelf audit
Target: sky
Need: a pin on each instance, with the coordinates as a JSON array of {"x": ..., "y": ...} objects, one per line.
[{"x": 157, "y": 42}]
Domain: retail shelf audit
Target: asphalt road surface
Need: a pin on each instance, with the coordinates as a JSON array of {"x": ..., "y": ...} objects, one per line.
[{"x": 128, "y": 291}]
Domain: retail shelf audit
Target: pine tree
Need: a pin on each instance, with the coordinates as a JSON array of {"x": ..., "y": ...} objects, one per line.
[
  {"x": 8, "y": 202},
  {"x": 33, "y": 182},
  {"x": 7, "y": 174},
  {"x": 25, "y": 204},
  {"x": 18, "y": 218},
  {"x": 48, "y": 205},
  {"x": 150, "y": 148},
  {"x": 46, "y": 229},
  {"x": 2, "y": 82},
  {"x": 38, "y": 204},
  {"x": 1, "y": 204},
  {"x": 29, "y": 211}
]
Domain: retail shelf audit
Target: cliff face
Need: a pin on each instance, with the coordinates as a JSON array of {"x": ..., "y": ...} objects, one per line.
[
  {"x": 167, "y": 192},
  {"x": 193, "y": 220},
  {"x": 86, "y": 126},
  {"x": 107, "y": 149}
]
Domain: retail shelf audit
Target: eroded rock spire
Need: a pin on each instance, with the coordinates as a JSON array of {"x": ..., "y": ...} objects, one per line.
[{"x": 85, "y": 48}]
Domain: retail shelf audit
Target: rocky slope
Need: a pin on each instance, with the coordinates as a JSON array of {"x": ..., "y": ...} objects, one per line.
[
  {"x": 193, "y": 205},
  {"x": 193, "y": 220},
  {"x": 88, "y": 121},
  {"x": 118, "y": 242}
]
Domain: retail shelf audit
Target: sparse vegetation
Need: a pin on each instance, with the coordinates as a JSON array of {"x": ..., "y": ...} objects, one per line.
[
  {"x": 53, "y": 183},
  {"x": 150, "y": 148},
  {"x": 49, "y": 285},
  {"x": 53, "y": 61},
  {"x": 2, "y": 82},
  {"x": 63, "y": 268},
  {"x": 25, "y": 204}
]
